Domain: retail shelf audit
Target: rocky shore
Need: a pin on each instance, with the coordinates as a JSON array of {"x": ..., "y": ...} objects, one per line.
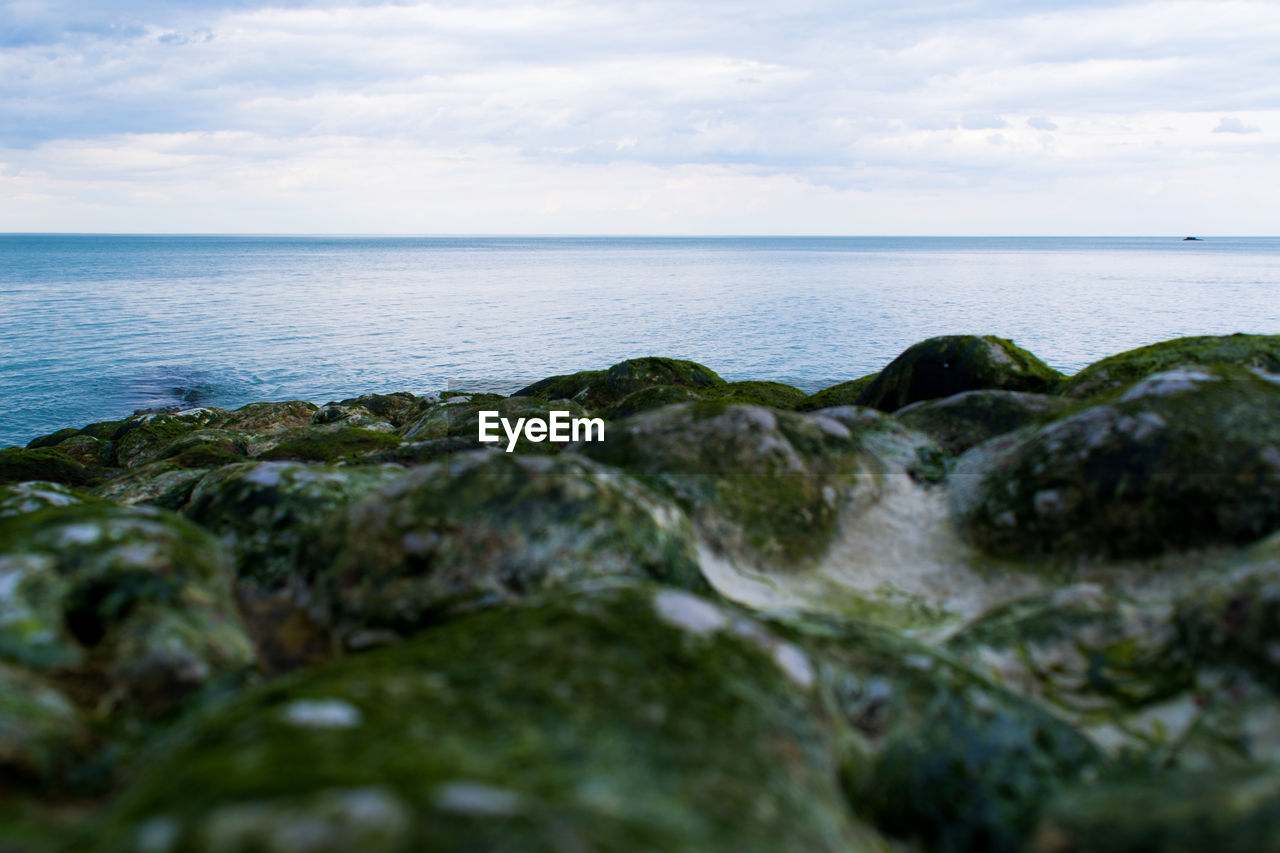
[{"x": 964, "y": 604}]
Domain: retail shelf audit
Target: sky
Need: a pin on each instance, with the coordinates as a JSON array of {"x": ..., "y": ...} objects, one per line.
[{"x": 641, "y": 117}]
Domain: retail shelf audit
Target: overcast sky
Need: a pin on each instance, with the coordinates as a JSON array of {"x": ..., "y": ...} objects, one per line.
[{"x": 640, "y": 116}]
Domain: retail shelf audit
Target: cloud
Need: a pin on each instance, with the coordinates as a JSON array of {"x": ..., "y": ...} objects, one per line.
[
  {"x": 1235, "y": 125},
  {"x": 807, "y": 94}
]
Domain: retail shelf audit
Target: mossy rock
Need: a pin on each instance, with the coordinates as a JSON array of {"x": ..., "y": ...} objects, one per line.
[
  {"x": 765, "y": 485},
  {"x": 42, "y": 733},
  {"x": 492, "y": 526},
  {"x": 140, "y": 439},
  {"x": 19, "y": 465},
  {"x": 35, "y": 495},
  {"x": 563, "y": 387},
  {"x": 267, "y": 417},
  {"x": 843, "y": 394},
  {"x": 628, "y": 376},
  {"x": 1117, "y": 371},
  {"x": 53, "y": 438},
  {"x": 1234, "y": 620},
  {"x": 942, "y": 366},
  {"x": 775, "y": 395},
  {"x": 412, "y": 453},
  {"x": 130, "y": 602},
  {"x": 265, "y": 511},
  {"x": 351, "y": 416},
  {"x": 394, "y": 407},
  {"x": 203, "y": 448},
  {"x": 949, "y": 758},
  {"x": 160, "y": 483},
  {"x": 93, "y": 453},
  {"x": 1176, "y": 812},
  {"x": 461, "y": 419},
  {"x": 1181, "y": 459},
  {"x": 653, "y": 397},
  {"x": 324, "y": 443},
  {"x": 616, "y": 719},
  {"x": 967, "y": 419}
]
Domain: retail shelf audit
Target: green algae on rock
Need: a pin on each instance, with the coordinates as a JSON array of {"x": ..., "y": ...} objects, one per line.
[
  {"x": 492, "y": 525},
  {"x": 613, "y": 719},
  {"x": 947, "y": 365},
  {"x": 948, "y": 757},
  {"x": 34, "y": 495},
  {"x": 41, "y": 731},
  {"x": 18, "y": 465},
  {"x": 1186, "y": 812},
  {"x": 1181, "y": 459},
  {"x": 843, "y": 394},
  {"x": 460, "y": 418},
  {"x": 265, "y": 511},
  {"x": 564, "y": 387},
  {"x": 327, "y": 443},
  {"x": 394, "y": 407},
  {"x": 132, "y": 598},
  {"x": 1117, "y": 371},
  {"x": 266, "y": 417},
  {"x": 767, "y": 484},
  {"x": 160, "y": 483},
  {"x": 969, "y": 418}
]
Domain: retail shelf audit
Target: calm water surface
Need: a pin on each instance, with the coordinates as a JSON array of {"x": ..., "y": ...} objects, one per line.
[{"x": 94, "y": 327}]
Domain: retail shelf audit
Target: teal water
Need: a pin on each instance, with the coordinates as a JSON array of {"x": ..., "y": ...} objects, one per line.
[{"x": 94, "y": 327}]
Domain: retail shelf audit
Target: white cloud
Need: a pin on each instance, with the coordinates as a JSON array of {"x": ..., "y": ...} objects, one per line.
[
  {"x": 775, "y": 111},
  {"x": 1235, "y": 125}
]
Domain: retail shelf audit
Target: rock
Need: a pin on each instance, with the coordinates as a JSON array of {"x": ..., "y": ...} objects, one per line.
[
  {"x": 653, "y": 397},
  {"x": 266, "y": 417},
  {"x": 133, "y": 602},
  {"x": 411, "y": 453},
  {"x": 843, "y": 394},
  {"x": 203, "y": 448},
  {"x": 1117, "y": 371},
  {"x": 1188, "y": 812},
  {"x": 140, "y": 439},
  {"x": 495, "y": 526},
  {"x": 940, "y": 367},
  {"x": 967, "y": 419},
  {"x": 776, "y": 395},
  {"x": 22, "y": 498},
  {"x": 619, "y": 719},
  {"x": 766, "y": 485},
  {"x": 632, "y": 375},
  {"x": 41, "y": 731},
  {"x": 564, "y": 387},
  {"x": 460, "y": 418},
  {"x": 266, "y": 511},
  {"x": 352, "y": 416},
  {"x": 394, "y": 407},
  {"x": 948, "y": 758},
  {"x": 1181, "y": 459},
  {"x": 329, "y": 443},
  {"x": 53, "y": 438},
  {"x": 19, "y": 465},
  {"x": 160, "y": 483}
]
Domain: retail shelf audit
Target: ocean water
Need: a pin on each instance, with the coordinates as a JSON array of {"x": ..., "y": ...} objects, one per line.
[{"x": 94, "y": 327}]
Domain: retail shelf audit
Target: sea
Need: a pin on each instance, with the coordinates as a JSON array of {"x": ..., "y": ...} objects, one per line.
[{"x": 94, "y": 327}]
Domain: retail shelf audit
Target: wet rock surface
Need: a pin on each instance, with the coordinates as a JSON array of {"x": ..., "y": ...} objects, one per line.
[{"x": 963, "y": 604}]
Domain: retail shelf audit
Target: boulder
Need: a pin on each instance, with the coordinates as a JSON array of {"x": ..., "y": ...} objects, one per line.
[
  {"x": 967, "y": 419},
  {"x": 493, "y": 527},
  {"x": 1181, "y": 459},
  {"x": 133, "y": 602},
  {"x": 613, "y": 719},
  {"x": 266, "y": 511},
  {"x": 842, "y": 394},
  {"x": 1117, "y": 371},
  {"x": 767, "y": 485},
  {"x": 942, "y": 366}
]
